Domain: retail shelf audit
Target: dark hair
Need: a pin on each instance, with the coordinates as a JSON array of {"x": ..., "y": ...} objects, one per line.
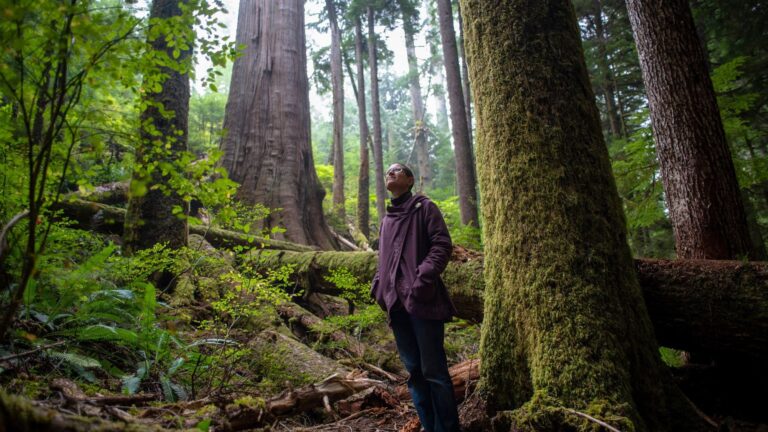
[{"x": 406, "y": 170}]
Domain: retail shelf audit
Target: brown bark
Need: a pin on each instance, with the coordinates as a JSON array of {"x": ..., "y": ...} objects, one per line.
[
  {"x": 151, "y": 216},
  {"x": 378, "y": 158},
  {"x": 337, "y": 80},
  {"x": 362, "y": 180},
  {"x": 607, "y": 81},
  {"x": 465, "y": 75},
  {"x": 465, "y": 164},
  {"x": 700, "y": 183},
  {"x": 417, "y": 104},
  {"x": 267, "y": 149}
]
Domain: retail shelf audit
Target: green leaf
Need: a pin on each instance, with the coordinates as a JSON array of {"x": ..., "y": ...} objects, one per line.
[
  {"x": 131, "y": 384},
  {"x": 80, "y": 360},
  {"x": 204, "y": 425}
]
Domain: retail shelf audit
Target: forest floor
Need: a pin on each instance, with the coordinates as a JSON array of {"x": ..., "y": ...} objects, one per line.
[{"x": 229, "y": 350}]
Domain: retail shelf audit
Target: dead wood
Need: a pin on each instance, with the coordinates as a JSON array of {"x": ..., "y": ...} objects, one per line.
[
  {"x": 106, "y": 219},
  {"x": 464, "y": 377},
  {"x": 708, "y": 306},
  {"x": 74, "y": 394},
  {"x": 307, "y": 326},
  {"x": 292, "y": 401},
  {"x": 19, "y": 414}
]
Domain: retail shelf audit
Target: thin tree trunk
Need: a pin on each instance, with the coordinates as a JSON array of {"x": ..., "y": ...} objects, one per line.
[
  {"x": 465, "y": 164},
  {"x": 378, "y": 158},
  {"x": 152, "y": 216},
  {"x": 337, "y": 79},
  {"x": 609, "y": 90},
  {"x": 565, "y": 323},
  {"x": 417, "y": 105},
  {"x": 700, "y": 184},
  {"x": 267, "y": 149},
  {"x": 465, "y": 76},
  {"x": 363, "y": 182}
]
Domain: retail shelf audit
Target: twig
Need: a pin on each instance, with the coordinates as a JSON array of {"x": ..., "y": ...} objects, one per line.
[
  {"x": 590, "y": 418},
  {"x": 26, "y": 353},
  {"x": 700, "y": 413},
  {"x": 7, "y": 228},
  {"x": 382, "y": 372}
]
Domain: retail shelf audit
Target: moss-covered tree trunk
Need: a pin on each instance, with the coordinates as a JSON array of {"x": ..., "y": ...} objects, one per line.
[
  {"x": 152, "y": 205},
  {"x": 565, "y": 325}
]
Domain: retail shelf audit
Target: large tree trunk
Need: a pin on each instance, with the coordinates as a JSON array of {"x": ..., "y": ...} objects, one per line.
[
  {"x": 267, "y": 148},
  {"x": 424, "y": 170},
  {"x": 378, "y": 158},
  {"x": 465, "y": 164},
  {"x": 362, "y": 180},
  {"x": 337, "y": 79},
  {"x": 700, "y": 183},
  {"x": 152, "y": 217},
  {"x": 565, "y": 324}
]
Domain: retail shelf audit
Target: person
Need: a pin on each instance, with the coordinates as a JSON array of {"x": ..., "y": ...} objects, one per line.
[{"x": 414, "y": 248}]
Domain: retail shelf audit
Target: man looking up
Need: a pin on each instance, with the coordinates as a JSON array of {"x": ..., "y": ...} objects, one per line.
[{"x": 414, "y": 248}]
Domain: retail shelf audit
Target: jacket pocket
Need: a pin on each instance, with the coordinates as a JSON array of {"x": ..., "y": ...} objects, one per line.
[{"x": 422, "y": 292}]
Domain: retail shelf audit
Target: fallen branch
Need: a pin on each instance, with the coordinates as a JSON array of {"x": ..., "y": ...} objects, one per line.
[
  {"x": 73, "y": 393},
  {"x": 32, "y": 351},
  {"x": 592, "y": 419},
  {"x": 292, "y": 401},
  {"x": 7, "y": 228}
]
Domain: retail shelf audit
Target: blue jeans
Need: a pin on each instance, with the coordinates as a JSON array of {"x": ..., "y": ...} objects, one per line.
[{"x": 420, "y": 344}]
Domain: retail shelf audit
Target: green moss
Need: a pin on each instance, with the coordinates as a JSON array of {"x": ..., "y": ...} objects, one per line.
[
  {"x": 543, "y": 413},
  {"x": 564, "y": 315}
]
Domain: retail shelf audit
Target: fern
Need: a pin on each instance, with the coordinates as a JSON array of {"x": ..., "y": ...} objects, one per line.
[{"x": 73, "y": 359}]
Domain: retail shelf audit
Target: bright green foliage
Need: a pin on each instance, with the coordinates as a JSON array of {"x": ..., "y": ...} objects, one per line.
[
  {"x": 464, "y": 235},
  {"x": 351, "y": 287}
]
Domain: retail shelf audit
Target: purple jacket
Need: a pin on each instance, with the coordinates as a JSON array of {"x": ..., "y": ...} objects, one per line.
[{"x": 414, "y": 248}]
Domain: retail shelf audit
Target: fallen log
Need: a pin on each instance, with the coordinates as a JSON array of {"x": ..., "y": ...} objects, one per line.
[
  {"x": 292, "y": 401},
  {"x": 718, "y": 307},
  {"x": 464, "y": 376},
  {"x": 107, "y": 219},
  {"x": 20, "y": 414}
]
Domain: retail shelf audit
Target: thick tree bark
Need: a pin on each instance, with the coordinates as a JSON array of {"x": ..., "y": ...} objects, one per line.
[
  {"x": 378, "y": 158},
  {"x": 565, "y": 325},
  {"x": 700, "y": 183},
  {"x": 362, "y": 180},
  {"x": 337, "y": 80},
  {"x": 267, "y": 148},
  {"x": 152, "y": 217},
  {"x": 462, "y": 146},
  {"x": 424, "y": 170}
]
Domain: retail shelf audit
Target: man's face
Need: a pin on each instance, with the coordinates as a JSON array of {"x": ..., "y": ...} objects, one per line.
[{"x": 397, "y": 180}]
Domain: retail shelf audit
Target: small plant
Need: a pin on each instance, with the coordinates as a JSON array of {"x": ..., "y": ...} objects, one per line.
[{"x": 351, "y": 287}]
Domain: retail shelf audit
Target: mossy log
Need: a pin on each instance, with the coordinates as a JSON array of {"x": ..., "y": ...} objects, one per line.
[
  {"x": 107, "y": 219},
  {"x": 707, "y": 306},
  {"x": 21, "y": 415}
]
